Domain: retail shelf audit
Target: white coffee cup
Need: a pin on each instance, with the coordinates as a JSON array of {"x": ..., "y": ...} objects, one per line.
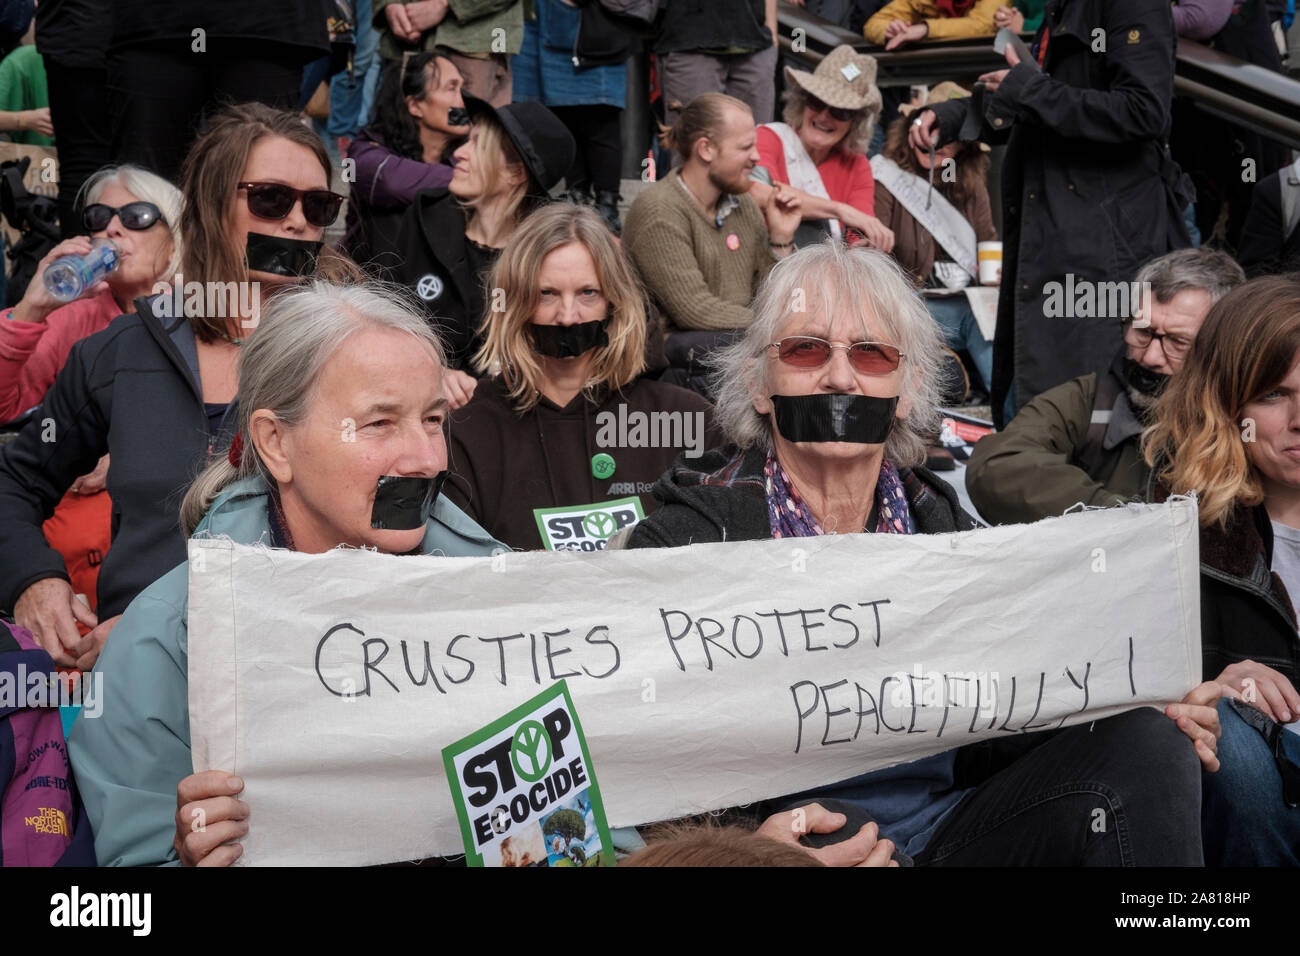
[{"x": 990, "y": 262}]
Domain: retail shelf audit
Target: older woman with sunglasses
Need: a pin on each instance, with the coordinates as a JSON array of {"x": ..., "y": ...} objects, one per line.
[
  {"x": 154, "y": 388},
  {"x": 821, "y": 149},
  {"x": 139, "y": 212},
  {"x": 828, "y": 408}
]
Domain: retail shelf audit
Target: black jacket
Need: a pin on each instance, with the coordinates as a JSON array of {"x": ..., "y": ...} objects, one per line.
[
  {"x": 1088, "y": 187},
  {"x": 720, "y": 498},
  {"x": 1246, "y": 613},
  {"x": 1264, "y": 249},
  {"x": 428, "y": 253},
  {"x": 131, "y": 391}
]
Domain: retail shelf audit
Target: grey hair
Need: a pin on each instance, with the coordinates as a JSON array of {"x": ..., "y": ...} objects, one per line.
[
  {"x": 280, "y": 365},
  {"x": 826, "y": 280},
  {"x": 149, "y": 187},
  {"x": 858, "y": 138},
  {"x": 1208, "y": 269}
]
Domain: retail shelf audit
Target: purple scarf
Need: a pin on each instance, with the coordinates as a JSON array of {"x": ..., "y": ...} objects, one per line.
[{"x": 790, "y": 516}]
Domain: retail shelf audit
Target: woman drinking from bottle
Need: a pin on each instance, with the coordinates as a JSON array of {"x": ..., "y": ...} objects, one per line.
[{"x": 154, "y": 388}]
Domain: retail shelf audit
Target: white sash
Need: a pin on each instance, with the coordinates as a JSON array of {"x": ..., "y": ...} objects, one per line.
[
  {"x": 942, "y": 220},
  {"x": 801, "y": 169}
]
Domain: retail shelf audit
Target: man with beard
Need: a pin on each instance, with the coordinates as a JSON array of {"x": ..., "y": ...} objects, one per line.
[
  {"x": 700, "y": 244},
  {"x": 1078, "y": 442}
]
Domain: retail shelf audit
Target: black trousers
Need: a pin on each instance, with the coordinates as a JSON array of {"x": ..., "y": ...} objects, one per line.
[
  {"x": 598, "y": 159},
  {"x": 159, "y": 94},
  {"x": 79, "y": 111}
]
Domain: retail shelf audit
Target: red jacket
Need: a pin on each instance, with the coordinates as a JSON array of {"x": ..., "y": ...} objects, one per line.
[{"x": 32, "y": 353}]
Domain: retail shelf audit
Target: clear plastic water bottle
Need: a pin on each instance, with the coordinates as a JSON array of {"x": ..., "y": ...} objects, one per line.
[{"x": 68, "y": 277}]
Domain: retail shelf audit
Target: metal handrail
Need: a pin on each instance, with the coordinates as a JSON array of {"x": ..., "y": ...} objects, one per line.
[{"x": 1225, "y": 86}]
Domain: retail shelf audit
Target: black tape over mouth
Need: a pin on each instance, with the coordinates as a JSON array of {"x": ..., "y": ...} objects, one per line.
[
  {"x": 569, "y": 341},
  {"x": 863, "y": 419},
  {"x": 404, "y": 504},
  {"x": 280, "y": 256}
]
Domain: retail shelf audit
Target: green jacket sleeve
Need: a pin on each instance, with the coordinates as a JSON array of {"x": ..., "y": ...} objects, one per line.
[
  {"x": 1024, "y": 473},
  {"x": 129, "y": 759},
  {"x": 467, "y": 10},
  {"x": 1033, "y": 13}
]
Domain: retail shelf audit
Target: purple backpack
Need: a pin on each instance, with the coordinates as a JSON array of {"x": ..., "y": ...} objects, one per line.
[{"x": 42, "y": 822}]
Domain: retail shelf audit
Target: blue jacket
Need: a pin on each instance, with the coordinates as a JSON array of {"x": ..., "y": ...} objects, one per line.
[{"x": 128, "y": 762}]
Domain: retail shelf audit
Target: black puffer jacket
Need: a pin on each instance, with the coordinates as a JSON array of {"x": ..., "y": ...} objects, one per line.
[
  {"x": 131, "y": 391},
  {"x": 721, "y": 497}
]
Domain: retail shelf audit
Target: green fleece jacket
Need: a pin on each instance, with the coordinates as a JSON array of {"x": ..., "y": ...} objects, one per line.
[
  {"x": 1030, "y": 469},
  {"x": 129, "y": 760},
  {"x": 468, "y": 27}
]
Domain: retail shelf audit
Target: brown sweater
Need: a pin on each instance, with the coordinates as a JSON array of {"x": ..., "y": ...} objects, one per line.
[
  {"x": 684, "y": 261},
  {"x": 914, "y": 247}
]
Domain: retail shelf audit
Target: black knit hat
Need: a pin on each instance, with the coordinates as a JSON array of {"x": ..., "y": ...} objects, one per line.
[{"x": 544, "y": 143}]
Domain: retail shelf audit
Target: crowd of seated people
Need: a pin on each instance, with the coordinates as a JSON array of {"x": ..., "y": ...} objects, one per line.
[{"x": 783, "y": 294}]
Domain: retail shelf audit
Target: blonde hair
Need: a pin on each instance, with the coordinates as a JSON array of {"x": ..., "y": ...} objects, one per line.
[
  {"x": 280, "y": 365},
  {"x": 514, "y": 285},
  {"x": 1248, "y": 343},
  {"x": 829, "y": 279},
  {"x": 493, "y": 154},
  {"x": 148, "y": 187}
]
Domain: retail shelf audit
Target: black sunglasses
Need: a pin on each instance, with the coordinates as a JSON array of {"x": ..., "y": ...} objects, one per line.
[
  {"x": 274, "y": 201},
  {"x": 837, "y": 113},
  {"x": 134, "y": 215}
]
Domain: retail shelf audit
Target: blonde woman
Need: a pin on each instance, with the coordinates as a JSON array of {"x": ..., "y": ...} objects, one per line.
[
  {"x": 1228, "y": 428},
  {"x": 449, "y": 238},
  {"x": 559, "y": 449}
]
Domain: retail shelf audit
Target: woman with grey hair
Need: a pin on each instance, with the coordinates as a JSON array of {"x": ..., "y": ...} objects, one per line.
[
  {"x": 821, "y": 149},
  {"x": 341, "y": 441},
  {"x": 826, "y": 398},
  {"x": 140, "y": 213}
]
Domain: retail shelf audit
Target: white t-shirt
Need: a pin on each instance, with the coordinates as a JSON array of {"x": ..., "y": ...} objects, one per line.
[{"x": 1286, "y": 562}]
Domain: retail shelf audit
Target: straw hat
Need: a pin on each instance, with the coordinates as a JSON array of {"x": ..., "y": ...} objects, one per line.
[
  {"x": 945, "y": 91},
  {"x": 845, "y": 78}
]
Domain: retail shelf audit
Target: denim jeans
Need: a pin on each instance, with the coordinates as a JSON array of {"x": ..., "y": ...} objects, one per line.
[
  {"x": 1124, "y": 791},
  {"x": 954, "y": 315},
  {"x": 1244, "y": 819},
  {"x": 348, "y": 91}
]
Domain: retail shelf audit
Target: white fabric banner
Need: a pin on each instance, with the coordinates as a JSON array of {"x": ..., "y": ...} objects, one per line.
[{"x": 704, "y": 677}]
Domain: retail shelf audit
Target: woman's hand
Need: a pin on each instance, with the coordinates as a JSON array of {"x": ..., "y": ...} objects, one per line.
[
  {"x": 1263, "y": 688},
  {"x": 51, "y": 611},
  {"x": 459, "y": 387},
  {"x": 862, "y": 849},
  {"x": 924, "y": 132},
  {"x": 874, "y": 232},
  {"x": 1197, "y": 717},
  {"x": 37, "y": 303},
  {"x": 93, "y": 482},
  {"x": 1009, "y": 17},
  {"x": 908, "y": 34},
  {"x": 208, "y": 818}
]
